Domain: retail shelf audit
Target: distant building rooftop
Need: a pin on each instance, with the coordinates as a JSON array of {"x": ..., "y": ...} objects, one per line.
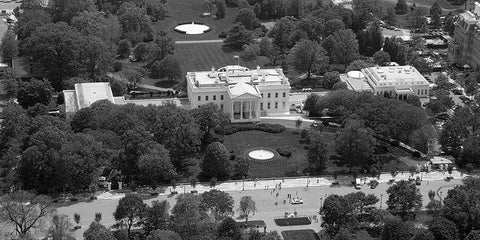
[{"x": 398, "y": 75}]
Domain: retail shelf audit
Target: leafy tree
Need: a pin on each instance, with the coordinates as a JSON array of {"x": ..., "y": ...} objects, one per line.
[
  {"x": 219, "y": 203},
  {"x": 355, "y": 143},
  {"x": 247, "y": 205},
  {"x": 96, "y": 57},
  {"x": 157, "y": 216},
  {"x": 250, "y": 51},
  {"x": 443, "y": 229},
  {"x": 308, "y": 56},
  {"x": 134, "y": 78},
  {"x": 344, "y": 234},
  {"x": 91, "y": 24},
  {"x": 332, "y": 26},
  {"x": 157, "y": 11},
  {"x": 418, "y": 17},
  {"x": 366, "y": 10},
  {"x": 136, "y": 24},
  {"x": 461, "y": 206},
  {"x": 29, "y": 21},
  {"x": 9, "y": 47},
  {"x": 336, "y": 214},
  {"x": 221, "y": 9},
  {"x": 436, "y": 9},
  {"x": 268, "y": 50},
  {"x": 397, "y": 229},
  {"x": 130, "y": 208},
  {"x": 403, "y": 198},
  {"x": 155, "y": 166},
  {"x": 423, "y": 235},
  {"x": 161, "y": 46},
  {"x": 229, "y": 229},
  {"x": 401, "y": 8},
  {"x": 216, "y": 161},
  {"x": 208, "y": 117},
  {"x": 141, "y": 51},
  {"x": 449, "y": 24},
  {"x": 281, "y": 34},
  {"x": 60, "y": 228},
  {"x": 55, "y": 50},
  {"x": 238, "y": 36},
  {"x": 187, "y": 214},
  {"x": 473, "y": 235},
  {"x": 312, "y": 26},
  {"x": 24, "y": 210},
  {"x": 247, "y": 18},
  {"x": 422, "y": 66},
  {"x": 163, "y": 235},
  {"x": 391, "y": 18},
  {"x": 65, "y": 10},
  {"x": 471, "y": 150},
  {"x": 370, "y": 40},
  {"x": 124, "y": 47},
  {"x": 330, "y": 79},
  {"x": 170, "y": 68},
  {"x": 33, "y": 92},
  {"x": 97, "y": 231},
  {"x": 346, "y": 46},
  {"x": 317, "y": 151},
  {"x": 340, "y": 85},
  {"x": 381, "y": 58}
]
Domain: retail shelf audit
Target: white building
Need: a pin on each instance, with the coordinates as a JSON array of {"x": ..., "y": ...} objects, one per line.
[
  {"x": 85, "y": 94},
  {"x": 242, "y": 93},
  {"x": 393, "y": 81}
]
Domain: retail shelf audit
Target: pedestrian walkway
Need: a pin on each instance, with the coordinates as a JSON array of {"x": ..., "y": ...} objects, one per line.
[{"x": 269, "y": 184}]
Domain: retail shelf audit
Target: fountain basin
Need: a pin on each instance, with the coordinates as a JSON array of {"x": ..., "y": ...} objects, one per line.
[
  {"x": 261, "y": 154},
  {"x": 192, "y": 28}
]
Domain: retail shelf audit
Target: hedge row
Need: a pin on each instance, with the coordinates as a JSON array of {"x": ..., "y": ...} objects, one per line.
[{"x": 265, "y": 127}]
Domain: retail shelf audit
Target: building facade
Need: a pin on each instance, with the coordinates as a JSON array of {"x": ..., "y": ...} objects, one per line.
[
  {"x": 242, "y": 93},
  {"x": 389, "y": 81},
  {"x": 465, "y": 47}
]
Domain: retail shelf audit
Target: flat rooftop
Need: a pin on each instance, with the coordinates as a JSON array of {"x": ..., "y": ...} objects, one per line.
[
  {"x": 88, "y": 93},
  {"x": 234, "y": 74},
  {"x": 356, "y": 84},
  {"x": 395, "y": 75}
]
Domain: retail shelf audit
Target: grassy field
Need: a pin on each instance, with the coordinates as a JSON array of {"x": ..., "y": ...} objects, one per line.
[
  {"x": 306, "y": 234},
  {"x": 190, "y": 10},
  {"x": 202, "y": 56}
]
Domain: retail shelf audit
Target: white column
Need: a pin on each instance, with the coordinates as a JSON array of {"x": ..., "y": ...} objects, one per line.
[
  {"x": 231, "y": 110},
  {"x": 241, "y": 109}
]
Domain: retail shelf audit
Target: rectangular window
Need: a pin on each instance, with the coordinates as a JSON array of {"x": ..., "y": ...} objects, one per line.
[
  {"x": 276, "y": 105},
  {"x": 261, "y": 95},
  {"x": 261, "y": 106},
  {"x": 206, "y": 98},
  {"x": 221, "y": 106},
  {"x": 221, "y": 97},
  {"x": 284, "y": 94},
  {"x": 269, "y": 95},
  {"x": 268, "y": 105},
  {"x": 276, "y": 95},
  {"x": 214, "y": 97},
  {"x": 283, "y": 105},
  {"x": 199, "y": 98}
]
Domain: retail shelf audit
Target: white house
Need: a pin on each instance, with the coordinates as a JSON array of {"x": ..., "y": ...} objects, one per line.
[{"x": 242, "y": 93}]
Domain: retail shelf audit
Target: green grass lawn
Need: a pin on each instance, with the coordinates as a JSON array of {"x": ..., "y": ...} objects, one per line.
[
  {"x": 181, "y": 11},
  {"x": 202, "y": 56},
  {"x": 306, "y": 234}
]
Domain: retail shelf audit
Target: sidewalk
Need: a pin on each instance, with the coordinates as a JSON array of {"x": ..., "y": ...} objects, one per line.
[{"x": 239, "y": 185}]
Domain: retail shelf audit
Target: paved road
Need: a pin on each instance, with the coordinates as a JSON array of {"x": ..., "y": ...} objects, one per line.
[{"x": 265, "y": 199}]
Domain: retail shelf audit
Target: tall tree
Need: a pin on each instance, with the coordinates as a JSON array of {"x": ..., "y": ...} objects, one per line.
[
  {"x": 403, "y": 198},
  {"x": 317, "y": 151},
  {"x": 65, "y": 10},
  {"x": 281, "y": 34},
  {"x": 221, "y": 9},
  {"x": 33, "y": 92},
  {"x": 163, "y": 235},
  {"x": 332, "y": 26},
  {"x": 208, "y": 117},
  {"x": 60, "y": 228},
  {"x": 308, "y": 56},
  {"x": 436, "y": 9},
  {"x": 155, "y": 166},
  {"x": 397, "y": 229},
  {"x": 401, "y": 8},
  {"x": 229, "y": 229},
  {"x": 443, "y": 229},
  {"x": 346, "y": 46},
  {"x": 355, "y": 143},
  {"x": 381, "y": 58},
  {"x": 55, "y": 50},
  {"x": 96, "y": 57},
  {"x": 247, "y": 18},
  {"x": 157, "y": 216},
  {"x": 29, "y": 21},
  {"x": 246, "y": 206},
  {"x": 9, "y": 47},
  {"x": 136, "y": 24},
  {"x": 238, "y": 36},
  {"x": 161, "y": 46},
  {"x": 97, "y": 231},
  {"x": 170, "y": 68},
  {"x": 216, "y": 162},
  {"x": 130, "y": 208},
  {"x": 187, "y": 214},
  {"x": 91, "y": 24},
  {"x": 219, "y": 203}
]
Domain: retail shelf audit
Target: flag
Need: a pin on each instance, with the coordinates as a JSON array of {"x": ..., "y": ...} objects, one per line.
[{"x": 236, "y": 56}]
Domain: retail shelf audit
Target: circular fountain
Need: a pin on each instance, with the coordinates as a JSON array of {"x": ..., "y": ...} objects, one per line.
[
  {"x": 191, "y": 28},
  {"x": 261, "y": 154}
]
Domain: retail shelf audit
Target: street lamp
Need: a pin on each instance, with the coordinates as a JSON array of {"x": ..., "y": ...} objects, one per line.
[
  {"x": 381, "y": 200},
  {"x": 321, "y": 200},
  {"x": 243, "y": 183}
]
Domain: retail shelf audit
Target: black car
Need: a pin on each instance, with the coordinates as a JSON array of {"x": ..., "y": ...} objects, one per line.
[
  {"x": 373, "y": 184},
  {"x": 457, "y": 92}
]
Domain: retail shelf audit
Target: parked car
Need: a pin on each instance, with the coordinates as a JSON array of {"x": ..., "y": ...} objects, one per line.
[
  {"x": 296, "y": 201},
  {"x": 373, "y": 184},
  {"x": 457, "y": 92},
  {"x": 418, "y": 181}
]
